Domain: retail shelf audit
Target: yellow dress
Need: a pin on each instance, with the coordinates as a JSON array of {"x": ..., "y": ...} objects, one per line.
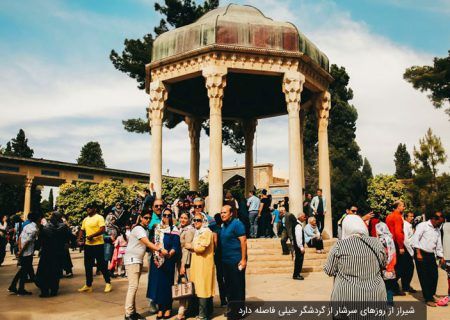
[{"x": 202, "y": 265}]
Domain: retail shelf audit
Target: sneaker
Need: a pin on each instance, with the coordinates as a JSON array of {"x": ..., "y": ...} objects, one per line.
[
  {"x": 108, "y": 288},
  {"x": 137, "y": 316},
  {"x": 152, "y": 308},
  {"x": 85, "y": 288},
  {"x": 24, "y": 293},
  {"x": 299, "y": 277},
  {"x": 12, "y": 290}
]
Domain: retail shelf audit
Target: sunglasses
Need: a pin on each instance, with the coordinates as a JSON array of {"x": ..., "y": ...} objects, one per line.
[
  {"x": 167, "y": 215},
  {"x": 198, "y": 207},
  {"x": 158, "y": 205},
  {"x": 197, "y": 220},
  {"x": 146, "y": 218},
  {"x": 354, "y": 210}
]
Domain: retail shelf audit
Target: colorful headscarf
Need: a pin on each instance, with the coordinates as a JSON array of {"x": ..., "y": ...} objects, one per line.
[{"x": 160, "y": 230}]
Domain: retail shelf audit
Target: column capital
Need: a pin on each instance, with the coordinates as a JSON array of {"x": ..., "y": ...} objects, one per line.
[
  {"x": 158, "y": 97},
  {"x": 215, "y": 83},
  {"x": 28, "y": 182},
  {"x": 194, "y": 126},
  {"x": 292, "y": 88},
  {"x": 323, "y": 106}
]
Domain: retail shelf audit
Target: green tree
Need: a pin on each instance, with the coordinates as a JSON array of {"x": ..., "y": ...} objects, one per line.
[
  {"x": 12, "y": 196},
  {"x": 402, "y": 159},
  {"x": 348, "y": 183},
  {"x": 91, "y": 155},
  {"x": 367, "y": 170},
  {"x": 383, "y": 191},
  {"x": 51, "y": 201},
  {"x": 430, "y": 153},
  {"x": 435, "y": 79}
]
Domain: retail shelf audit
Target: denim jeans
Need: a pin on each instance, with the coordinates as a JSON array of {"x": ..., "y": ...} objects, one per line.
[{"x": 253, "y": 216}]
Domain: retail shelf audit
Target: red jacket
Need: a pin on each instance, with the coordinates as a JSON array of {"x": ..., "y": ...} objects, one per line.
[{"x": 394, "y": 222}]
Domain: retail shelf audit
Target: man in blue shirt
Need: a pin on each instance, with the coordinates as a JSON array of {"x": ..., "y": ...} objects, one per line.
[
  {"x": 253, "y": 203},
  {"x": 233, "y": 242}
]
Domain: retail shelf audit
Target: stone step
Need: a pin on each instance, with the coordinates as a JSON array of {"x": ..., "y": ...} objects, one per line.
[
  {"x": 279, "y": 257},
  {"x": 275, "y": 244},
  {"x": 287, "y": 270},
  {"x": 260, "y": 251},
  {"x": 285, "y": 263}
]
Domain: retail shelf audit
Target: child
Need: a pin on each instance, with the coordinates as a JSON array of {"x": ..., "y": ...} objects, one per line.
[{"x": 120, "y": 246}]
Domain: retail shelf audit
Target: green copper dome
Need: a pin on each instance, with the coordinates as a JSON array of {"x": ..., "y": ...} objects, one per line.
[{"x": 239, "y": 26}]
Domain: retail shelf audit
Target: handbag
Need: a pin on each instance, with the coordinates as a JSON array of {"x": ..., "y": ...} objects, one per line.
[{"x": 183, "y": 290}]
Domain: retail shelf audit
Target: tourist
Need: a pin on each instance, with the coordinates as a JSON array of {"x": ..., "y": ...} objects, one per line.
[
  {"x": 339, "y": 223},
  {"x": 395, "y": 223},
  {"x": 133, "y": 259},
  {"x": 3, "y": 235},
  {"x": 242, "y": 213},
  {"x": 157, "y": 208},
  {"x": 187, "y": 206},
  {"x": 319, "y": 209},
  {"x": 355, "y": 263},
  {"x": 313, "y": 238},
  {"x": 187, "y": 232},
  {"x": 264, "y": 216},
  {"x": 388, "y": 273},
  {"x": 231, "y": 201},
  {"x": 162, "y": 266},
  {"x": 149, "y": 196},
  {"x": 110, "y": 236},
  {"x": 233, "y": 244},
  {"x": 427, "y": 244},
  {"x": 216, "y": 228},
  {"x": 299, "y": 246},
  {"x": 117, "y": 263},
  {"x": 54, "y": 237},
  {"x": 253, "y": 203},
  {"x": 407, "y": 259},
  {"x": 288, "y": 221},
  {"x": 93, "y": 228},
  {"x": 275, "y": 220},
  {"x": 202, "y": 265},
  {"x": 307, "y": 205},
  {"x": 26, "y": 245}
]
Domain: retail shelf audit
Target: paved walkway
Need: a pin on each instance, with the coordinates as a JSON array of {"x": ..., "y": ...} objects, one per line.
[{"x": 97, "y": 305}]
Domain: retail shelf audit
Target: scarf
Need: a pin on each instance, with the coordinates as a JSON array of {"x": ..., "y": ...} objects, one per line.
[
  {"x": 385, "y": 237},
  {"x": 160, "y": 231},
  {"x": 204, "y": 226},
  {"x": 353, "y": 225}
]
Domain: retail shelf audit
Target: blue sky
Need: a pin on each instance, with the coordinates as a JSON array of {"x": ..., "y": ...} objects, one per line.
[{"x": 58, "y": 84}]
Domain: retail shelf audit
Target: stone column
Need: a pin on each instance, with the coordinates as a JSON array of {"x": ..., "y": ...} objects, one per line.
[
  {"x": 194, "y": 127},
  {"x": 249, "y": 126},
  {"x": 292, "y": 89},
  {"x": 323, "y": 105},
  {"x": 215, "y": 77},
  {"x": 302, "y": 152},
  {"x": 158, "y": 96},
  {"x": 27, "y": 201}
]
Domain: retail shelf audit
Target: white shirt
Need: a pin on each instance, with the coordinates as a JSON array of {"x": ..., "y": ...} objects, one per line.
[
  {"x": 409, "y": 232},
  {"x": 428, "y": 239},
  {"x": 135, "y": 249},
  {"x": 29, "y": 234},
  {"x": 298, "y": 234}
]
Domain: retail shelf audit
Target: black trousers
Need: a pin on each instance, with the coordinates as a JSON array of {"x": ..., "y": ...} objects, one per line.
[
  {"x": 428, "y": 274},
  {"x": 220, "y": 278},
  {"x": 235, "y": 288},
  {"x": 298, "y": 262},
  {"x": 93, "y": 254},
  {"x": 320, "y": 219},
  {"x": 3, "y": 243},
  {"x": 26, "y": 268},
  {"x": 405, "y": 269},
  {"x": 315, "y": 243},
  {"x": 284, "y": 238}
]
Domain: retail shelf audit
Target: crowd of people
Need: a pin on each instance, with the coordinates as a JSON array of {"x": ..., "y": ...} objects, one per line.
[{"x": 188, "y": 246}]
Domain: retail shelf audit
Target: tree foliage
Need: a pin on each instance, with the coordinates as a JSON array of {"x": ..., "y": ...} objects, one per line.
[
  {"x": 383, "y": 191},
  {"x": 435, "y": 79},
  {"x": 430, "y": 153},
  {"x": 91, "y": 155},
  {"x": 402, "y": 160},
  {"x": 18, "y": 146},
  {"x": 367, "y": 170}
]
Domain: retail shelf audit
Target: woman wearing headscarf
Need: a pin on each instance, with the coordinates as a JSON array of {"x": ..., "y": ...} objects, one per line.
[
  {"x": 385, "y": 236},
  {"x": 162, "y": 267},
  {"x": 187, "y": 232},
  {"x": 54, "y": 236},
  {"x": 355, "y": 262},
  {"x": 202, "y": 265}
]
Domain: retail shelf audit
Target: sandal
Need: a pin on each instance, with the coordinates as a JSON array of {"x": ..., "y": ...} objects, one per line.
[
  {"x": 443, "y": 302},
  {"x": 431, "y": 304}
]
